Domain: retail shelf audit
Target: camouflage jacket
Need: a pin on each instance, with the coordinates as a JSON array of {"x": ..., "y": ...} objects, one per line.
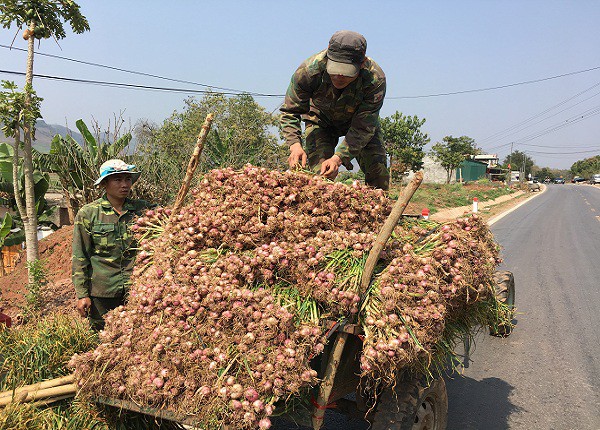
[
  {"x": 354, "y": 111},
  {"x": 104, "y": 248}
]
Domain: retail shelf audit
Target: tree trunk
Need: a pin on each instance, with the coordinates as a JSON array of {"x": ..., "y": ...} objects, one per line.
[
  {"x": 68, "y": 201},
  {"x": 392, "y": 171},
  {"x": 2, "y": 261},
  {"x": 18, "y": 200},
  {"x": 31, "y": 240},
  {"x": 449, "y": 173}
]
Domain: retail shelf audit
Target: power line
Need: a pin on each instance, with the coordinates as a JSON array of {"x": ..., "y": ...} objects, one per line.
[
  {"x": 562, "y": 153},
  {"x": 569, "y": 121},
  {"x": 128, "y": 86},
  {"x": 497, "y": 87},
  {"x": 497, "y": 135},
  {"x": 282, "y": 95},
  {"x": 542, "y": 120},
  {"x": 549, "y": 146},
  {"x": 553, "y": 115},
  {"x": 139, "y": 73}
]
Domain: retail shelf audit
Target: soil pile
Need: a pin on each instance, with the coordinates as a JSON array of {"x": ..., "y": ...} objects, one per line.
[{"x": 58, "y": 293}]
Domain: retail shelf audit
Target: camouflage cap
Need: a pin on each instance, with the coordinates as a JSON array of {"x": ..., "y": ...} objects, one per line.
[{"x": 345, "y": 53}]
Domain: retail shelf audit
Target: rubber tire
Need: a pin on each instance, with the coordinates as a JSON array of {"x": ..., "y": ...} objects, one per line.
[
  {"x": 504, "y": 284},
  {"x": 413, "y": 405}
]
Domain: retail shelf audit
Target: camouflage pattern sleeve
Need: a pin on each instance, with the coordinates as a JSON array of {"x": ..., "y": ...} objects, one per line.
[
  {"x": 297, "y": 100},
  {"x": 365, "y": 121},
  {"x": 81, "y": 260}
]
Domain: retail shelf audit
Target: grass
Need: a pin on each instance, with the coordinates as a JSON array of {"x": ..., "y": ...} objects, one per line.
[
  {"x": 38, "y": 271},
  {"x": 40, "y": 350},
  {"x": 437, "y": 197},
  {"x": 77, "y": 415}
]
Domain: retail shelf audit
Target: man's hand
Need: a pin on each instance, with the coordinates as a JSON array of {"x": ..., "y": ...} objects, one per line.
[
  {"x": 297, "y": 156},
  {"x": 83, "y": 306},
  {"x": 330, "y": 167}
]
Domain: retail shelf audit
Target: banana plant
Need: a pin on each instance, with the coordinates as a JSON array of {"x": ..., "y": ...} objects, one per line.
[
  {"x": 6, "y": 162},
  {"x": 41, "y": 184},
  {"x": 77, "y": 165}
]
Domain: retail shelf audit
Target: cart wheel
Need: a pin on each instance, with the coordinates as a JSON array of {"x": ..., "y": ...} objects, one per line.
[
  {"x": 413, "y": 404},
  {"x": 504, "y": 284}
]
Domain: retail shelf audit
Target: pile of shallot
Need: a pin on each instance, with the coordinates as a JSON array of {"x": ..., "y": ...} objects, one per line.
[{"x": 230, "y": 295}]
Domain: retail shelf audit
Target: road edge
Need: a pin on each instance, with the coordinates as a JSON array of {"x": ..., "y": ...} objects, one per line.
[{"x": 503, "y": 214}]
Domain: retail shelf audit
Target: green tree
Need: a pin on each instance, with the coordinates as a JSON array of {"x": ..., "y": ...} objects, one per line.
[
  {"x": 242, "y": 133},
  {"x": 544, "y": 173},
  {"x": 520, "y": 161},
  {"x": 18, "y": 110},
  {"x": 404, "y": 143},
  {"x": 586, "y": 167},
  {"x": 452, "y": 152},
  {"x": 42, "y": 19}
]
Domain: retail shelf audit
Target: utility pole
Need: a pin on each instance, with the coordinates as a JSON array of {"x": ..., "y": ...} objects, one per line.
[{"x": 509, "y": 166}]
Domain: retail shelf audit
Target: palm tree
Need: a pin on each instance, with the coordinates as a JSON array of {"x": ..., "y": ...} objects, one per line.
[{"x": 42, "y": 19}]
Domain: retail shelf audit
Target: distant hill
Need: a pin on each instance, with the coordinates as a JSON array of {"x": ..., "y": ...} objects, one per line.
[{"x": 44, "y": 134}]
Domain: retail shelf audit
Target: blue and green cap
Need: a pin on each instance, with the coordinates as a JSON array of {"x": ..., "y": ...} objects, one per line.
[{"x": 116, "y": 167}]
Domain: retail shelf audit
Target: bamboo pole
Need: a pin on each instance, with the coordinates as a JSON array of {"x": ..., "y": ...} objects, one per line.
[
  {"x": 327, "y": 384},
  {"x": 193, "y": 164},
  {"x": 29, "y": 396},
  {"x": 388, "y": 228},
  {"x": 39, "y": 386},
  {"x": 45, "y": 402}
]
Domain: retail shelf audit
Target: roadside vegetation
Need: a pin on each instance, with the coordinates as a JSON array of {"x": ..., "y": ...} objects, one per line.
[{"x": 437, "y": 197}]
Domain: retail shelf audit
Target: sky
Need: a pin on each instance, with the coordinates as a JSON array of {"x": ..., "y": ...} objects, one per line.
[{"x": 545, "y": 55}]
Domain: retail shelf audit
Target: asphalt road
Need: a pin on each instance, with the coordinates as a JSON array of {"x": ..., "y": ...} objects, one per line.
[{"x": 546, "y": 375}]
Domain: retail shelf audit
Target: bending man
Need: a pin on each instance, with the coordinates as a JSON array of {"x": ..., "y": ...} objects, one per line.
[{"x": 337, "y": 92}]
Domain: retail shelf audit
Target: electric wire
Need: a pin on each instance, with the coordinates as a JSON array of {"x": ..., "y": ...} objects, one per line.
[
  {"x": 282, "y": 95},
  {"x": 548, "y": 117},
  {"x": 496, "y": 87},
  {"x": 569, "y": 121},
  {"x": 563, "y": 153},
  {"x": 502, "y": 134},
  {"x": 119, "y": 69},
  {"x": 550, "y": 146},
  {"x": 124, "y": 85}
]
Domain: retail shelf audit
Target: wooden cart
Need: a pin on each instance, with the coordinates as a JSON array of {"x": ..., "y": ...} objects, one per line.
[{"x": 414, "y": 403}]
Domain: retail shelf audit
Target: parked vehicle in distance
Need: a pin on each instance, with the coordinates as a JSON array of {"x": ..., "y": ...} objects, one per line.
[
  {"x": 577, "y": 179},
  {"x": 559, "y": 180},
  {"x": 595, "y": 179}
]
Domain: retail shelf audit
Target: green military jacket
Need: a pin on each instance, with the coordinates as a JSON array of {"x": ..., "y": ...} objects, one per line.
[
  {"x": 311, "y": 96},
  {"x": 104, "y": 248}
]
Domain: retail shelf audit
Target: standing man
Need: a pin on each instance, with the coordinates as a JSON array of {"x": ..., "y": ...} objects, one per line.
[
  {"x": 337, "y": 92},
  {"x": 104, "y": 248}
]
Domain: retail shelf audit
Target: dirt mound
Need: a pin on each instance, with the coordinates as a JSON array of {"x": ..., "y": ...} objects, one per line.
[{"x": 55, "y": 253}]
